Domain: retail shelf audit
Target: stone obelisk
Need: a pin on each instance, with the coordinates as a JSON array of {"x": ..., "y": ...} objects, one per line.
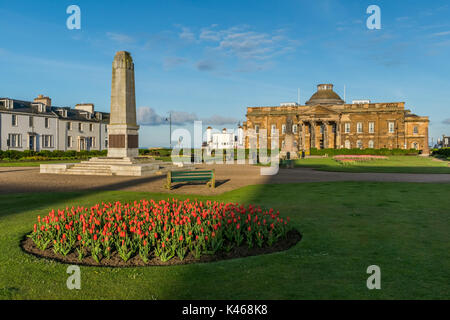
[{"x": 122, "y": 128}]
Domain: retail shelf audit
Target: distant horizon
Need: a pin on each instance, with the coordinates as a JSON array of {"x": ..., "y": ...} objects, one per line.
[{"x": 210, "y": 61}]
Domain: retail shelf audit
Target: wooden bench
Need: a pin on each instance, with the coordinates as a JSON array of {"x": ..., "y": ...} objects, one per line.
[
  {"x": 284, "y": 163},
  {"x": 208, "y": 176}
]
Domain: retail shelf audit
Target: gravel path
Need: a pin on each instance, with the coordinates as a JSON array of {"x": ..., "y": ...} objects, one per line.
[{"x": 229, "y": 177}]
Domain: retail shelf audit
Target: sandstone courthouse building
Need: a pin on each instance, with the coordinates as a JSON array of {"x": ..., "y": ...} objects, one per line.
[{"x": 326, "y": 121}]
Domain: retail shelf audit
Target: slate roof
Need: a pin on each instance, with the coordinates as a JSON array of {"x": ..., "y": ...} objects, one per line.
[{"x": 53, "y": 111}]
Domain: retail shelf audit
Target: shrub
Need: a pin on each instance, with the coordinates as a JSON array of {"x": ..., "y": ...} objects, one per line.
[
  {"x": 9, "y": 155},
  {"x": 164, "y": 229},
  {"x": 444, "y": 152},
  {"x": 382, "y": 151}
]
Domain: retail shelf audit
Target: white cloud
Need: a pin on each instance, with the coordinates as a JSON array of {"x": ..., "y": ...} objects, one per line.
[
  {"x": 247, "y": 44},
  {"x": 147, "y": 116},
  {"x": 241, "y": 42},
  {"x": 119, "y": 37},
  {"x": 440, "y": 34},
  {"x": 219, "y": 120},
  {"x": 187, "y": 34},
  {"x": 171, "y": 62}
]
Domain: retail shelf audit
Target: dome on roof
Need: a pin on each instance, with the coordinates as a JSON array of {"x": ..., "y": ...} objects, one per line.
[{"x": 324, "y": 96}]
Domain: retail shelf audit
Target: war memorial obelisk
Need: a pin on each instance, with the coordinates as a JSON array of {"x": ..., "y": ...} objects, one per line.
[
  {"x": 122, "y": 128},
  {"x": 123, "y": 139}
]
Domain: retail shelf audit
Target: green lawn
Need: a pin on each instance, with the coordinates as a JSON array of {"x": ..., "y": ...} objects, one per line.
[
  {"x": 401, "y": 164},
  {"x": 346, "y": 226},
  {"x": 32, "y": 163}
]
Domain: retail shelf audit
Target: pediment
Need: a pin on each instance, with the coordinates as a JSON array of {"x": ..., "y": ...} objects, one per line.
[{"x": 319, "y": 110}]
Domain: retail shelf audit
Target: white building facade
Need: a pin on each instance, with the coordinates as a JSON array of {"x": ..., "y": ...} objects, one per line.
[
  {"x": 38, "y": 126},
  {"x": 224, "y": 139}
]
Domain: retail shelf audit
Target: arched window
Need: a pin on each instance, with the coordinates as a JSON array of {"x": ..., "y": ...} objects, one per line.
[
  {"x": 359, "y": 144},
  {"x": 414, "y": 145},
  {"x": 371, "y": 144},
  {"x": 347, "y": 144}
]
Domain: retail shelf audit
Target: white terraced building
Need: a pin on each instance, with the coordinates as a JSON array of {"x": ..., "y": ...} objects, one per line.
[
  {"x": 224, "y": 139},
  {"x": 37, "y": 125}
]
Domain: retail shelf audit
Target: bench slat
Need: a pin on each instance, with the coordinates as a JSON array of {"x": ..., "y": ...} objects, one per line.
[
  {"x": 180, "y": 173},
  {"x": 190, "y": 179}
]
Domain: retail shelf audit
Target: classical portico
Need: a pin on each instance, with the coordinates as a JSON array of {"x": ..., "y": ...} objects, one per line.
[{"x": 319, "y": 128}]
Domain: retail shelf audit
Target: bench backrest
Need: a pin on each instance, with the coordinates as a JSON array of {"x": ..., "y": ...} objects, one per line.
[{"x": 180, "y": 174}]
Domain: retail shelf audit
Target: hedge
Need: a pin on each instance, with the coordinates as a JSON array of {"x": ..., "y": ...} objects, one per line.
[
  {"x": 444, "y": 152},
  {"x": 46, "y": 154},
  {"x": 356, "y": 151}
]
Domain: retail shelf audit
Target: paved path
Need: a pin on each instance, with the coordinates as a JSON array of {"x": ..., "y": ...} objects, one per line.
[{"x": 229, "y": 177}]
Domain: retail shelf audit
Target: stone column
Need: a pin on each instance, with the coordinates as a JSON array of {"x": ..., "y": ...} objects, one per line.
[
  {"x": 338, "y": 135},
  {"x": 122, "y": 129},
  {"x": 325, "y": 134},
  {"x": 302, "y": 133}
]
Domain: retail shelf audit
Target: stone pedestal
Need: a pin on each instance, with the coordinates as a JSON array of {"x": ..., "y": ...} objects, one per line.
[
  {"x": 123, "y": 141},
  {"x": 289, "y": 147}
]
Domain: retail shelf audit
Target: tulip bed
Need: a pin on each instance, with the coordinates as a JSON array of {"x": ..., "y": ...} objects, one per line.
[
  {"x": 351, "y": 159},
  {"x": 164, "y": 229}
]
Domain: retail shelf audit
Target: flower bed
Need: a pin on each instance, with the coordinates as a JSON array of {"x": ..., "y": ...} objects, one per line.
[
  {"x": 351, "y": 159},
  {"x": 149, "y": 232}
]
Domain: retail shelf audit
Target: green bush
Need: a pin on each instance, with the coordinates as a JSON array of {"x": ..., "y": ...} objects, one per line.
[
  {"x": 27, "y": 155},
  {"x": 443, "y": 152},
  {"x": 382, "y": 152}
]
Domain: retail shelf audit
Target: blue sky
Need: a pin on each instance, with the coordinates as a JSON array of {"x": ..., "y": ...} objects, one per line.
[{"x": 211, "y": 59}]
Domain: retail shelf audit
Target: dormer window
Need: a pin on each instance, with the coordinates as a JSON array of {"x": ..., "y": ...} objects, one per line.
[
  {"x": 63, "y": 113},
  {"x": 7, "y": 103}
]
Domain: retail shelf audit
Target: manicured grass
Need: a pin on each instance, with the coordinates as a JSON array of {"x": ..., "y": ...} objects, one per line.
[
  {"x": 401, "y": 164},
  {"x": 347, "y": 226},
  {"x": 32, "y": 163}
]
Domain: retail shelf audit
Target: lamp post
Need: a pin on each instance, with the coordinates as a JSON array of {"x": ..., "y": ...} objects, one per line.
[{"x": 170, "y": 128}]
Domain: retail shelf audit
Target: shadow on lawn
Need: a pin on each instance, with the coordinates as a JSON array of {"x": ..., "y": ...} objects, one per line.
[
  {"x": 376, "y": 169},
  {"x": 41, "y": 200}
]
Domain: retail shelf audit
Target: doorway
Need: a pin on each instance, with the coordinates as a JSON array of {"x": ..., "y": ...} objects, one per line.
[
  {"x": 81, "y": 144},
  {"x": 32, "y": 142}
]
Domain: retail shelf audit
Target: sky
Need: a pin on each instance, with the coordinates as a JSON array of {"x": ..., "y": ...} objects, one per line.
[{"x": 209, "y": 60}]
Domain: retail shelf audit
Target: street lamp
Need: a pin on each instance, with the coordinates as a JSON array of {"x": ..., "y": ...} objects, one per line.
[{"x": 170, "y": 128}]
